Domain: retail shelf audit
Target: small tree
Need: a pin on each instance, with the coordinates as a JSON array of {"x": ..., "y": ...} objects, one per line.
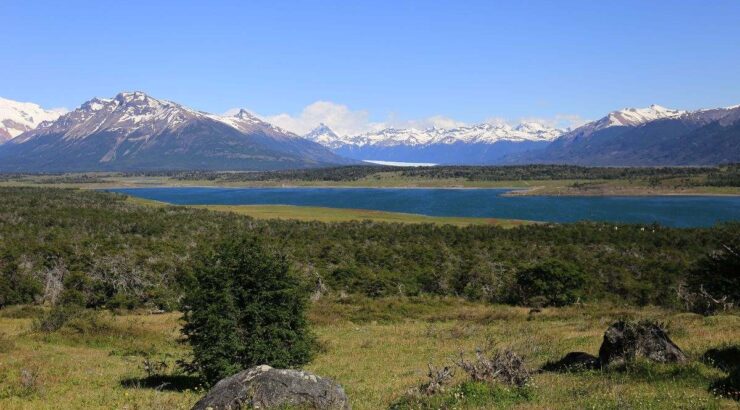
[
  {"x": 553, "y": 282},
  {"x": 244, "y": 308}
]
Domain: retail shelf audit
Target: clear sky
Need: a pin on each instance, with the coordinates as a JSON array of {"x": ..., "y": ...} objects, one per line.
[{"x": 377, "y": 61}]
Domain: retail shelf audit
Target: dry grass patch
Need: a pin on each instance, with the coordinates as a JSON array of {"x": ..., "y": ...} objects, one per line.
[{"x": 377, "y": 349}]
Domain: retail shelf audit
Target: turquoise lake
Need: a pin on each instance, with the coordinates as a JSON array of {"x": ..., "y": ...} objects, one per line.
[{"x": 677, "y": 211}]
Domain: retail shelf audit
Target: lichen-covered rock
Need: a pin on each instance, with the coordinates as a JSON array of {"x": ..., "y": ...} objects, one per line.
[
  {"x": 623, "y": 341},
  {"x": 263, "y": 387}
]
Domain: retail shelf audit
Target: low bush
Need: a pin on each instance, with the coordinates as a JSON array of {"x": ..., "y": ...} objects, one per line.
[
  {"x": 551, "y": 283},
  {"x": 469, "y": 394}
]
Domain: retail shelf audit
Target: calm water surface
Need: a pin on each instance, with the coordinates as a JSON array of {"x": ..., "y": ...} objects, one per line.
[{"x": 680, "y": 211}]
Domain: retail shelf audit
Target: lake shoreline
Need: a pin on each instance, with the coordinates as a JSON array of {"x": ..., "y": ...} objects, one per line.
[
  {"x": 490, "y": 203},
  {"x": 514, "y": 191}
]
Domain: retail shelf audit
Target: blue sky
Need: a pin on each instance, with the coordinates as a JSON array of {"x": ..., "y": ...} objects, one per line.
[{"x": 382, "y": 62}]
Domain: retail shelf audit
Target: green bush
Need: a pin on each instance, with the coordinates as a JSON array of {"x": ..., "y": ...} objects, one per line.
[
  {"x": 57, "y": 317},
  {"x": 551, "y": 283},
  {"x": 244, "y": 308},
  {"x": 16, "y": 288}
]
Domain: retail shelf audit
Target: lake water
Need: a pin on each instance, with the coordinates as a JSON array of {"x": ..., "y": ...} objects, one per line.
[{"x": 679, "y": 211}]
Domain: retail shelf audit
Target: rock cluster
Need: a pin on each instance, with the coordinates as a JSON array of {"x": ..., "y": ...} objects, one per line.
[{"x": 623, "y": 342}]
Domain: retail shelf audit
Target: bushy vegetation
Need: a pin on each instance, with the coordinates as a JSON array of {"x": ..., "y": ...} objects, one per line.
[
  {"x": 728, "y": 175},
  {"x": 244, "y": 308},
  {"x": 470, "y": 173},
  {"x": 551, "y": 283},
  {"x": 124, "y": 255}
]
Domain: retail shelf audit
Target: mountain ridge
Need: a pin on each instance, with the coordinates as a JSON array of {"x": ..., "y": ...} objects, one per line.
[
  {"x": 701, "y": 137},
  {"x": 477, "y": 144},
  {"x": 133, "y": 131}
]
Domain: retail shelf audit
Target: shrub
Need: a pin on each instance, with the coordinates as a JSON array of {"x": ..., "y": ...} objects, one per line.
[
  {"x": 714, "y": 283},
  {"x": 553, "y": 282},
  {"x": 57, "y": 316},
  {"x": 244, "y": 308},
  {"x": 16, "y": 288},
  {"x": 504, "y": 366},
  {"x": 469, "y": 394}
]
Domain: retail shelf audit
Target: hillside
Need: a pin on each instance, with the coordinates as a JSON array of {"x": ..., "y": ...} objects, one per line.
[
  {"x": 134, "y": 131},
  {"x": 658, "y": 137}
]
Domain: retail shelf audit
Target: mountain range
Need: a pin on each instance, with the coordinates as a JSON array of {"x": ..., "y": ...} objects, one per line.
[
  {"x": 134, "y": 131},
  {"x": 650, "y": 136},
  {"x": 477, "y": 144}
]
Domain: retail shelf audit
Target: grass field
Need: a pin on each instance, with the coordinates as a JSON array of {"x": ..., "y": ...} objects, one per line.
[
  {"x": 309, "y": 213},
  {"x": 377, "y": 349}
]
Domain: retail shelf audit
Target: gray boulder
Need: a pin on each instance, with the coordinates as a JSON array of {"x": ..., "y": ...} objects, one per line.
[
  {"x": 624, "y": 340},
  {"x": 263, "y": 387}
]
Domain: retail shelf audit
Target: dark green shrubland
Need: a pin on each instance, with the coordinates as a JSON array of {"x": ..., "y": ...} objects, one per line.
[{"x": 117, "y": 254}]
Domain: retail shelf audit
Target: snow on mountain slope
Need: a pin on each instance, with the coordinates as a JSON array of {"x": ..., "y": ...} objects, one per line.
[
  {"x": 476, "y": 134},
  {"x": 626, "y": 117},
  {"x": 134, "y": 131},
  {"x": 19, "y": 117},
  {"x": 247, "y": 122},
  {"x": 131, "y": 115},
  {"x": 324, "y": 136},
  {"x": 636, "y": 116},
  {"x": 653, "y": 136}
]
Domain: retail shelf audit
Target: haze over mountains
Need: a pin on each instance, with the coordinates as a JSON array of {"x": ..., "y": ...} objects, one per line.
[{"x": 134, "y": 131}]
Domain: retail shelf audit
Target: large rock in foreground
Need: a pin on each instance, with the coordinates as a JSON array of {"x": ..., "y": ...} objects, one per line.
[
  {"x": 263, "y": 387},
  {"x": 623, "y": 341}
]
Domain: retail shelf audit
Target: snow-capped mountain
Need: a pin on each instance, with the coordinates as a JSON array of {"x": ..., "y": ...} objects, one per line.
[
  {"x": 134, "y": 131},
  {"x": 647, "y": 136},
  {"x": 129, "y": 115},
  {"x": 324, "y": 136},
  {"x": 477, "y": 144},
  {"x": 247, "y": 122},
  {"x": 635, "y": 116},
  {"x": 626, "y": 117},
  {"x": 19, "y": 117},
  {"x": 481, "y": 133}
]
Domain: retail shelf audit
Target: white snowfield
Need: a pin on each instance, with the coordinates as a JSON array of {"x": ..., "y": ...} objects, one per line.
[
  {"x": 19, "y": 117},
  {"x": 481, "y": 133}
]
